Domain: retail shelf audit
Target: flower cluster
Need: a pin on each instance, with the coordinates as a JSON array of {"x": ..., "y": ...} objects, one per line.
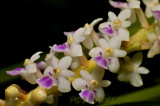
[{"x": 104, "y": 48}]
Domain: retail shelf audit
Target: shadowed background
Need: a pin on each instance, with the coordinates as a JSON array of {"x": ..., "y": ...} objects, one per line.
[{"x": 28, "y": 26}]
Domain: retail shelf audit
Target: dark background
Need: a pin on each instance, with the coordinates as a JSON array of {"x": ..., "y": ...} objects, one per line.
[{"x": 28, "y": 26}]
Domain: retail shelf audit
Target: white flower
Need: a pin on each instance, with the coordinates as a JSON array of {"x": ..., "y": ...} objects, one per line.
[
  {"x": 30, "y": 72},
  {"x": 72, "y": 47},
  {"x": 154, "y": 39},
  {"x": 130, "y": 70},
  {"x": 149, "y": 5},
  {"x": 117, "y": 26},
  {"x": 91, "y": 85},
  {"x": 57, "y": 74},
  {"x": 88, "y": 43},
  {"x": 107, "y": 54},
  {"x": 86, "y": 32},
  {"x": 130, "y": 4}
]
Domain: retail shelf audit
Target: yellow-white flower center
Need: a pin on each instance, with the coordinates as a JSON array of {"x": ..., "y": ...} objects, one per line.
[
  {"x": 56, "y": 70},
  {"x": 94, "y": 83},
  {"x": 26, "y": 62},
  {"x": 86, "y": 26},
  {"x": 116, "y": 23},
  {"x": 109, "y": 51},
  {"x": 70, "y": 40}
]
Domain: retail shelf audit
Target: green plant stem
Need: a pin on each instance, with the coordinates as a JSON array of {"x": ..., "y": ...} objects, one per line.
[{"x": 147, "y": 94}]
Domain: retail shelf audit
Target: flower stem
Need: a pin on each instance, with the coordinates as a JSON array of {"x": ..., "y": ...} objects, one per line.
[
  {"x": 83, "y": 60},
  {"x": 143, "y": 21}
]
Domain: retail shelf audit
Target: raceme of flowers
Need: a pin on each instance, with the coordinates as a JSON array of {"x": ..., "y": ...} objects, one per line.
[{"x": 104, "y": 48}]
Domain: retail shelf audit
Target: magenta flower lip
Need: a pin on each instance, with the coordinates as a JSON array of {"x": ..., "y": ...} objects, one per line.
[
  {"x": 15, "y": 72},
  {"x": 46, "y": 82}
]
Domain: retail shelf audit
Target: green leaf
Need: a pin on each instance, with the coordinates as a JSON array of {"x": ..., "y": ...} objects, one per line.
[{"x": 147, "y": 94}]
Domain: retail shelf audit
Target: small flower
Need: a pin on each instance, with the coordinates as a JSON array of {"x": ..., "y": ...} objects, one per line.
[
  {"x": 149, "y": 5},
  {"x": 57, "y": 74},
  {"x": 86, "y": 32},
  {"x": 72, "y": 47},
  {"x": 154, "y": 39},
  {"x": 117, "y": 26},
  {"x": 30, "y": 72},
  {"x": 107, "y": 54},
  {"x": 130, "y": 70},
  {"x": 130, "y": 4},
  {"x": 91, "y": 85}
]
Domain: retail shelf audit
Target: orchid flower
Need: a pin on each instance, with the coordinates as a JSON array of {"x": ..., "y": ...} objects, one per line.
[
  {"x": 130, "y": 4},
  {"x": 107, "y": 54},
  {"x": 149, "y": 5},
  {"x": 117, "y": 26},
  {"x": 57, "y": 74},
  {"x": 87, "y": 33},
  {"x": 30, "y": 72},
  {"x": 72, "y": 47},
  {"x": 130, "y": 70},
  {"x": 91, "y": 85}
]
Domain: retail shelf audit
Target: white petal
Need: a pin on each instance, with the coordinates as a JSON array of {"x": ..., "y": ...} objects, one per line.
[
  {"x": 104, "y": 83},
  {"x": 134, "y": 4},
  {"x": 126, "y": 24},
  {"x": 87, "y": 32},
  {"x": 143, "y": 70},
  {"x": 103, "y": 43},
  {"x": 148, "y": 12},
  {"x": 124, "y": 77},
  {"x": 76, "y": 50},
  {"x": 113, "y": 65},
  {"x": 155, "y": 49},
  {"x": 48, "y": 70},
  {"x": 99, "y": 97},
  {"x": 31, "y": 68},
  {"x": 35, "y": 57},
  {"x": 65, "y": 62},
  {"x": 124, "y": 14},
  {"x": 136, "y": 80},
  {"x": 112, "y": 16},
  {"x": 30, "y": 77},
  {"x": 151, "y": 37},
  {"x": 78, "y": 35},
  {"x": 105, "y": 24},
  {"x": 123, "y": 34},
  {"x": 85, "y": 75},
  {"x": 95, "y": 52},
  {"x": 75, "y": 63},
  {"x": 88, "y": 43},
  {"x": 64, "y": 84},
  {"x": 98, "y": 73},
  {"x": 137, "y": 59},
  {"x": 67, "y": 73},
  {"x": 79, "y": 84},
  {"x": 55, "y": 61},
  {"x": 119, "y": 53},
  {"x": 95, "y": 22},
  {"x": 114, "y": 43}
]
